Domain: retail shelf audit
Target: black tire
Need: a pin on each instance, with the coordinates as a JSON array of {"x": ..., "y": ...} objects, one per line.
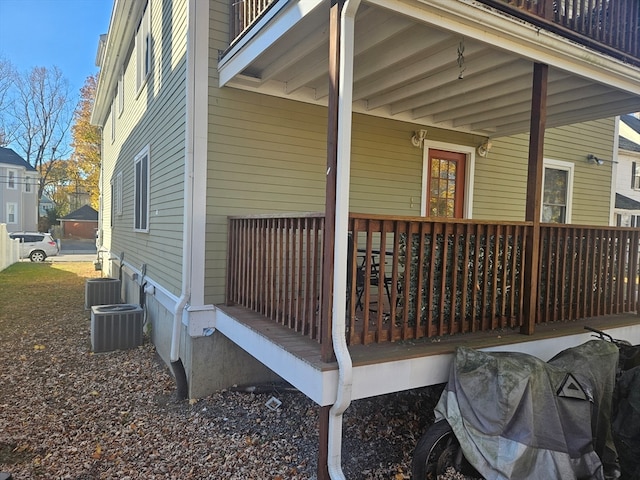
[
  {"x": 437, "y": 450},
  {"x": 37, "y": 256}
]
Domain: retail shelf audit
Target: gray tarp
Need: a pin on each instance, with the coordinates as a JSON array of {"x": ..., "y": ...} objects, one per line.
[
  {"x": 517, "y": 417},
  {"x": 626, "y": 422}
]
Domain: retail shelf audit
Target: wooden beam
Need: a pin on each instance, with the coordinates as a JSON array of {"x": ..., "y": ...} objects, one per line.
[
  {"x": 534, "y": 194},
  {"x": 323, "y": 442},
  {"x": 326, "y": 345},
  {"x": 330, "y": 189}
]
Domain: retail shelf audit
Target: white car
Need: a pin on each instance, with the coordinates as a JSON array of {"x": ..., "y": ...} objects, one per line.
[{"x": 36, "y": 246}]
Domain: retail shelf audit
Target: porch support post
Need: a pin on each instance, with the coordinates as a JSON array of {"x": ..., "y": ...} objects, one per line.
[
  {"x": 534, "y": 194},
  {"x": 340, "y": 112},
  {"x": 330, "y": 187},
  {"x": 326, "y": 347}
]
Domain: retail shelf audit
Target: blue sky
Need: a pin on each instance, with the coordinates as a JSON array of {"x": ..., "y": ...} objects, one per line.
[{"x": 47, "y": 33}]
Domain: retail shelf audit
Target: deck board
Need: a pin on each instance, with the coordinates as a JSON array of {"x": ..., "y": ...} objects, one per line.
[{"x": 308, "y": 350}]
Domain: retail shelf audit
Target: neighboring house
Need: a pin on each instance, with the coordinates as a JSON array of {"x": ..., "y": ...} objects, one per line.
[
  {"x": 18, "y": 192},
  {"x": 46, "y": 204},
  {"x": 341, "y": 227},
  {"x": 81, "y": 223},
  {"x": 627, "y": 206}
]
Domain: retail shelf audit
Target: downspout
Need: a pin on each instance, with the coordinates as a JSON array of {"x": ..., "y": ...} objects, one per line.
[
  {"x": 187, "y": 236},
  {"x": 343, "y": 173}
]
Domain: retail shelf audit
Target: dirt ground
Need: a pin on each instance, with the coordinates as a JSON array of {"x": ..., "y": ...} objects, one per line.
[{"x": 66, "y": 413}]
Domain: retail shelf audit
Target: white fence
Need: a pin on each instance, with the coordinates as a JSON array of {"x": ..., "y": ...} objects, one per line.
[{"x": 9, "y": 248}]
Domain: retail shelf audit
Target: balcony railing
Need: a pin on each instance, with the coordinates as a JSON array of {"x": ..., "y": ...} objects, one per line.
[
  {"x": 243, "y": 13},
  {"x": 410, "y": 278},
  {"x": 609, "y": 26}
]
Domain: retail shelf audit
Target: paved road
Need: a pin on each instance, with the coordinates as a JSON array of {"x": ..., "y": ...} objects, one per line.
[{"x": 72, "y": 257}]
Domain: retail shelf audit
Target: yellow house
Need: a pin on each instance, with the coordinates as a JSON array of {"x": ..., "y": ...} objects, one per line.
[{"x": 338, "y": 193}]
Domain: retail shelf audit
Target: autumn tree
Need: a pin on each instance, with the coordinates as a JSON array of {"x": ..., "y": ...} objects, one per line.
[
  {"x": 86, "y": 144},
  {"x": 38, "y": 119}
]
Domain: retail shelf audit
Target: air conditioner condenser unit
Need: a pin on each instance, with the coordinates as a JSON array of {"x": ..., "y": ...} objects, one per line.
[
  {"x": 101, "y": 291},
  {"x": 116, "y": 327}
]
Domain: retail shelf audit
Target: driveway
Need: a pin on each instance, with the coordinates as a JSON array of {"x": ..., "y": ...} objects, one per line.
[{"x": 75, "y": 250}]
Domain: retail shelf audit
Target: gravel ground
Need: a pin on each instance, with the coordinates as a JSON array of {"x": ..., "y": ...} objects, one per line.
[{"x": 66, "y": 413}]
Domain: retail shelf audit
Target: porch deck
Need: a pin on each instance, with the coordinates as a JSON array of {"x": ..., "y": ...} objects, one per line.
[{"x": 298, "y": 359}]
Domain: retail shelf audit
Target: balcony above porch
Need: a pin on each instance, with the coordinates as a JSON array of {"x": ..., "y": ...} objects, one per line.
[{"x": 453, "y": 64}]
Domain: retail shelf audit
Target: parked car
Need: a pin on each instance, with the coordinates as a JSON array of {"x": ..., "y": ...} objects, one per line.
[{"x": 36, "y": 246}]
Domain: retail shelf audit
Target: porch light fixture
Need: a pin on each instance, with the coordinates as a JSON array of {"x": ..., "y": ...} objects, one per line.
[
  {"x": 484, "y": 148},
  {"x": 592, "y": 158},
  {"x": 418, "y": 138}
]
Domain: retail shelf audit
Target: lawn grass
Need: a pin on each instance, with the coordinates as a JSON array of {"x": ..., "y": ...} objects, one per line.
[{"x": 31, "y": 292}]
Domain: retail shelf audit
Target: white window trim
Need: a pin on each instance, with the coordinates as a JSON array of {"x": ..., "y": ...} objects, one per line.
[
  {"x": 559, "y": 165},
  {"x": 28, "y": 185},
  {"x": 143, "y": 48},
  {"x": 112, "y": 122},
  {"x": 635, "y": 175},
  {"x": 15, "y": 213},
  {"x": 136, "y": 210},
  {"x": 468, "y": 174},
  {"x": 120, "y": 93},
  {"x": 12, "y": 179},
  {"x": 118, "y": 194}
]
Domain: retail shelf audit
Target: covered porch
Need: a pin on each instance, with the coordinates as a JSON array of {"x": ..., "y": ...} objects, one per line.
[{"x": 347, "y": 305}]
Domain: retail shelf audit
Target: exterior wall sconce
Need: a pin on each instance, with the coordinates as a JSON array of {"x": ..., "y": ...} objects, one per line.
[
  {"x": 483, "y": 148},
  {"x": 592, "y": 158},
  {"x": 418, "y": 138}
]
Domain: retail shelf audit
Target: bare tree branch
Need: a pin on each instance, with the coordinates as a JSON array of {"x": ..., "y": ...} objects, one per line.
[{"x": 41, "y": 116}]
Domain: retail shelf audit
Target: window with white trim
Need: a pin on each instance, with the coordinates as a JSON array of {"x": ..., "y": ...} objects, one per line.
[
  {"x": 635, "y": 176},
  {"x": 118, "y": 194},
  {"x": 112, "y": 123},
  {"x": 27, "y": 185},
  {"x": 141, "y": 191},
  {"x": 143, "y": 49},
  {"x": 557, "y": 191},
  {"x": 120, "y": 93},
  {"x": 12, "y": 176},
  {"x": 12, "y": 213}
]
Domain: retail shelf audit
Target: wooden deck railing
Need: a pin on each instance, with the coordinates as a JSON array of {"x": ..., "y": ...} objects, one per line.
[
  {"x": 610, "y": 26},
  {"x": 587, "y": 272},
  {"x": 411, "y": 277},
  {"x": 433, "y": 278},
  {"x": 274, "y": 268}
]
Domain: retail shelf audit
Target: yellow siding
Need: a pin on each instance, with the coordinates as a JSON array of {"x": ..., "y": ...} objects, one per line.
[
  {"x": 506, "y": 167},
  {"x": 268, "y": 155}
]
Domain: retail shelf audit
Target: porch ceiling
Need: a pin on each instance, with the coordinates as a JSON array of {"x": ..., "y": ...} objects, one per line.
[{"x": 411, "y": 64}]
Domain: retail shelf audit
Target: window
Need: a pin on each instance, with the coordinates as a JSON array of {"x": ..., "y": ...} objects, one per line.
[
  {"x": 143, "y": 49},
  {"x": 141, "y": 193},
  {"x": 12, "y": 213},
  {"x": 557, "y": 190},
  {"x": 635, "y": 176},
  {"x": 112, "y": 123},
  {"x": 118, "y": 194},
  {"x": 445, "y": 194},
  {"x": 116, "y": 197},
  {"x": 11, "y": 179},
  {"x": 120, "y": 93},
  {"x": 27, "y": 184}
]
